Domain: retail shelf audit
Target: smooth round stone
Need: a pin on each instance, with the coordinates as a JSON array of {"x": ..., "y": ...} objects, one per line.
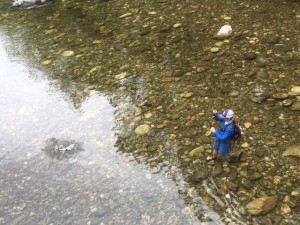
[
  {"x": 262, "y": 74},
  {"x": 214, "y": 49},
  {"x": 280, "y": 95},
  {"x": 272, "y": 124},
  {"x": 250, "y": 56},
  {"x": 287, "y": 102},
  {"x": 234, "y": 94},
  {"x": 176, "y": 25},
  {"x": 245, "y": 145},
  {"x": 219, "y": 43},
  {"x": 142, "y": 129},
  {"x": 68, "y": 53}
]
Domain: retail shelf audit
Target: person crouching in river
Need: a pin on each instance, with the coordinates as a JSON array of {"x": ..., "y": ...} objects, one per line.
[{"x": 222, "y": 144}]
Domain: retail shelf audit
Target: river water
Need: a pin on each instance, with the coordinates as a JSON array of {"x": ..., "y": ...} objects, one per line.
[{"x": 105, "y": 110}]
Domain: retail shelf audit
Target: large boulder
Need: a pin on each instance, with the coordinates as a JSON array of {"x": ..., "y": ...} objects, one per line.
[{"x": 261, "y": 206}]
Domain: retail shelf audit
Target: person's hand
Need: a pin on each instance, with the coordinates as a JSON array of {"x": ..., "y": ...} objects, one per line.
[
  {"x": 212, "y": 129},
  {"x": 215, "y": 112}
]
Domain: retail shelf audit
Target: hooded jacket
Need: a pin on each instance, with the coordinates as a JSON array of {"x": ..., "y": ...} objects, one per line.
[{"x": 226, "y": 130}]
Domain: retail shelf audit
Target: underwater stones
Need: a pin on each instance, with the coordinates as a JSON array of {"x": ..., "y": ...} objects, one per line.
[
  {"x": 234, "y": 93},
  {"x": 271, "y": 39},
  {"x": 262, "y": 74},
  {"x": 295, "y": 91},
  {"x": 287, "y": 102},
  {"x": 260, "y": 152},
  {"x": 217, "y": 170},
  {"x": 250, "y": 55},
  {"x": 285, "y": 209},
  {"x": 68, "y": 53},
  {"x": 200, "y": 69},
  {"x": 196, "y": 152},
  {"x": 255, "y": 176},
  {"x": 94, "y": 69},
  {"x": 142, "y": 129},
  {"x": 177, "y": 73},
  {"x": 46, "y": 62},
  {"x": 280, "y": 96},
  {"x": 177, "y": 25},
  {"x": 295, "y": 106},
  {"x": 200, "y": 174},
  {"x": 245, "y": 145},
  {"x": 246, "y": 183},
  {"x": 214, "y": 49},
  {"x": 231, "y": 185},
  {"x": 225, "y": 31},
  {"x": 187, "y": 94},
  {"x": 121, "y": 76},
  {"x": 125, "y": 15},
  {"x": 261, "y": 206},
  {"x": 292, "y": 151},
  {"x": 247, "y": 125}
]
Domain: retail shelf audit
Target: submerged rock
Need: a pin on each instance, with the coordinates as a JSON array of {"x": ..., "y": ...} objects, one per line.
[
  {"x": 295, "y": 106},
  {"x": 261, "y": 206},
  {"x": 292, "y": 151},
  {"x": 142, "y": 129},
  {"x": 196, "y": 152},
  {"x": 225, "y": 31}
]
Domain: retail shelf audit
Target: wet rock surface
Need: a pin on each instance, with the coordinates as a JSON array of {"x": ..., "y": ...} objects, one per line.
[
  {"x": 261, "y": 205},
  {"x": 161, "y": 64}
]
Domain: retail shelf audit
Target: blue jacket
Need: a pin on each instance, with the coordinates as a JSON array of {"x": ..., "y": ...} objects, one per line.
[{"x": 226, "y": 130}]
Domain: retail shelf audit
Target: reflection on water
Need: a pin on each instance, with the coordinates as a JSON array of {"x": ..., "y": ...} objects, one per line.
[{"x": 94, "y": 186}]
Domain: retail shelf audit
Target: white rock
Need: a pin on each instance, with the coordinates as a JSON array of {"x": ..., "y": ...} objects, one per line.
[{"x": 226, "y": 30}]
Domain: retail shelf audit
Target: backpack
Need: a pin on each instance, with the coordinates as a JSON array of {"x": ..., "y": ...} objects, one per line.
[{"x": 237, "y": 135}]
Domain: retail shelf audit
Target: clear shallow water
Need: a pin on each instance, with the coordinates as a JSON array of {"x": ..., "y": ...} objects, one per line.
[{"x": 95, "y": 185}]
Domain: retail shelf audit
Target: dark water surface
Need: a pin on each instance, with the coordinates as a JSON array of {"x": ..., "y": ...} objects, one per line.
[{"x": 78, "y": 79}]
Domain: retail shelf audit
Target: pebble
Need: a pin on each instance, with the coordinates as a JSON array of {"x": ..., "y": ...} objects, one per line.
[
  {"x": 46, "y": 62},
  {"x": 280, "y": 95},
  {"x": 285, "y": 209},
  {"x": 250, "y": 56},
  {"x": 214, "y": 49},
  {"x": 245, "y": 145},
  {"x": 247, "y": 125},
  {"x": 234, "y": 93},
  {"x": 142, "y": 129},
  {"x": 125, "y": 15},
  {"x": 176, "y": 25},
  {"x": 121, "y": 76},
  {"x": 67, "y": 53},
  {"x": 287, "y": 102}
]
